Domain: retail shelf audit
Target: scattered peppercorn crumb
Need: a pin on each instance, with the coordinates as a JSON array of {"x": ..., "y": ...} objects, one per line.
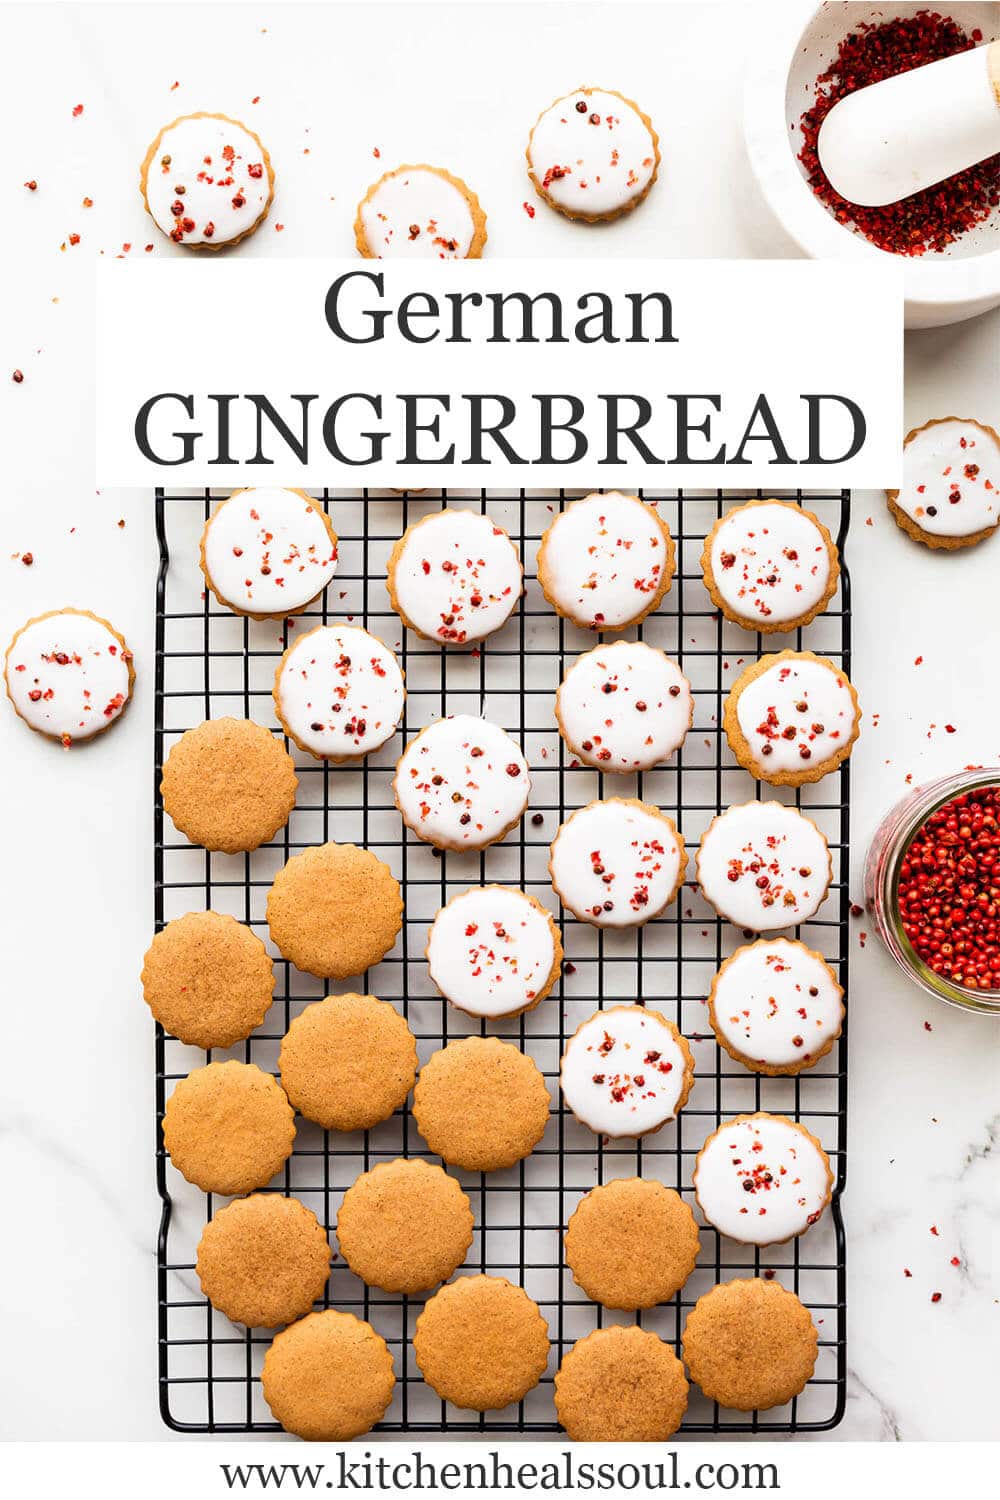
[
  {"x": 907, "y": 1271},
  {"x": 77, "y": 111},
  {"x": 17, "y": 377},
  {"x": 88, "y": 202},
  {"x": 27, "y": 558},
  {"x": 856, "y": 910},
  {"x": 934, "y": 1230},
  {"x": 935, "y": 1296},
  {"x": 919, "y": 661},
  {"x": 121, "y": 523},
  {"x": 31, "y": 185},
  {"x": 928, "y": 1026},
  {"x": 529, "y": 209}
]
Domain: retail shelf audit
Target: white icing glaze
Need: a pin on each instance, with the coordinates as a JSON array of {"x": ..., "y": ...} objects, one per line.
[
  {"x": 214, "y": 171},
  {"x": 491, "y": 951},
  {"x": 796, "y": 715},
  {"x": 770, "y": 562},
  {"x": 67, "y": 676},
  {"x": 623, "y": 1072},
  {"x": 462, "y": 782},
  {"x": 605, "y": 557},
  {"x": 595, "y": 159},
  {"x": 274, "y": 530},
  {"x": 340, "y": 691},
  {"x": 624, "y": 707},
  {"x": 457, "y": 576},
  {"x": 418, "y": 213},
  {"x": 777, "y": 1003},
  {"x": 760, "y": 1180},
  {"x": 615, "y": 865},
  {"x": 951, "y": 479},
  {"x": 764, "y": 866}
]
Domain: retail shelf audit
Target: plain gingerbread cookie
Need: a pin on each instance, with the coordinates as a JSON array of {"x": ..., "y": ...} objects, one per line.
[
  {"x": 481, "y": 1343},
  {"x": 750, "y": 1345},
  {"x": 263, "y": 1260},
  {"x": 208, "y": 979},
  {"x": 228, "y": 1128},
  {"x": 334, "y": 910},
  {"x": 404, "y": 1226},
  {"x": 481, "y": 1104},
  {"x": 229, "y": 785},
  {"x": 631, "y": 1243},
  {"x": 329, "y": 1377},
  {"x": 348, "y": 1061},
  {"x": 620, "y": 1385}
]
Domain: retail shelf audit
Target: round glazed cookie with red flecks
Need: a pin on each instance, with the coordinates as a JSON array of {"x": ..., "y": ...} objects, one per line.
[
  {"x": 770, "y": 565},
  {"x": 338, "y": 692},
  {"x": 762, "y": 1179},
  {"x": 593, "y": 154},
  {"x": 207, "y": 181},
  {"x": 617, "y": 863},
  {"x": 624, "y": 707},
  {"x": 606, "y": 561},
  {"x": 268, "y": 553},
  {"x": 626, "y": 1071},
  {"x": 420, "y": 212},
  {"x": 776, "y": 1006},
  {"x": 69, "y": 675},
  {"x": 462, "y": 783},
  {"x": 791, "y": 718},
  {"x": 764, "y": 866},
  {"x": 494, "y": 951},
  {"x": 454, "y": 577},
  {"x": 951, "y": 483}
]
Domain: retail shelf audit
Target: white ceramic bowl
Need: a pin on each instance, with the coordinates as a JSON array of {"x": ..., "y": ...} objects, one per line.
[{"x": 793, "y": 45}]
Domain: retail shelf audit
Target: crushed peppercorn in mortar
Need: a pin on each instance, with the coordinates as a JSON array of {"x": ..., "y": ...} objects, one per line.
[{"x": 935, "y": 217}]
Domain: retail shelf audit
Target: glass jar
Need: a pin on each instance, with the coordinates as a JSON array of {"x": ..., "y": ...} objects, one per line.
[{"x": 889, "y": 844}]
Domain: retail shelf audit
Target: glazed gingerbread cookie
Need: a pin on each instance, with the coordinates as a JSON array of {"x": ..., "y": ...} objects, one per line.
[
  {"x": 462, "y": 783},
  {"x": 334, "y": 910},
  {"x": 207, "y": 181},
  {"x": 770, "y": 565},
  {"x": 750, "y": 1344},
  {"x": 776, "y": 1006},
  {"x": 329, "y": 1377},
  {"x": 593, "y": 155},
  {"x": 268, "y": 553},
  {"x": 421, "y": 213},
  {"x": 792, "y": 717},
  {"x": 626, "y": 1071},
  {"x": 338, "y": 692},
  {"x": 494, "y": 952},
  {"x": 620, "y": 1385},
  {"x": 263, "y": 1260},
  {"x": 762, "y": 1179},
  {"x": 208, "y": 979},
  {"x": 951, "y": 483},
  {"x": 624, "y": 707},
  {"x": 454, "y": 577},
  {"x": 348, "y": 1062},
  {"x": 228, "y": 1128},
  {"x": 404, "y": 1226},
  {"x": 764, "y": 866},
  {"x": 631, "y": 1243},
  {"x": 229, "y": 785},
  {"x": 606, "y": 561},
  {"x": 68, "y": 675},
  {"x": 481, "y": 1343},
  {"x": 481, "y": 1104},
  {"x": 617, "y": 863}
]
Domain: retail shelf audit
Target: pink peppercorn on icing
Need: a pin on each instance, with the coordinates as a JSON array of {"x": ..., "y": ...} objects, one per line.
[
  {"x": 765, "y": 866},
  {"x": 606, "y": 561},
  {"x": 338, "y": 692},
  {"x": 593, "y": 154},
  {"x": 462, "y": 783},
  {"x": 207, "y": 180},
  {"x": 68, "y": 675},
  {"x": 617, "y": 863},
  {"x": 626, "y": 1071},
  {"x": 624, "y": 707},
  {"x": 454, "y": 577},
  {"x": 762, "y": 1179},
  {"x": 493, "y": 952},
  {"x": 268, "y": 552},
  {"x": 776, "y": 1006}
]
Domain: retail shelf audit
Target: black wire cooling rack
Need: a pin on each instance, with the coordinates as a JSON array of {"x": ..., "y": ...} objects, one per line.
[{"x": 209, "y": 663}]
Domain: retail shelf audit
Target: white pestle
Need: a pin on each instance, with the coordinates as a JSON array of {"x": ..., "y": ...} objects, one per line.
[{"x": 894, "y": 138}]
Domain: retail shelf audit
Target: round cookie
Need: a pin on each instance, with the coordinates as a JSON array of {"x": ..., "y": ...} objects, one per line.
[
  {"x": 626, "y": 1071},
  {"x": 617, "y": 863},
  {"x": 454, "y": 577},
  {"x": 764, "y": 866},
  {"x": 68, "y": 675},
  {"x": 263, "y": 1260},
  {"x": 329, "y": 1377},
  {"x": 334, "y": 910},
  {"x": 750, "y": 1345},
  {"x": 951, "y": 483},
  {"x": 208, "y": 979},
  {"x": 228, "y": 1128},
  {"x": 462, "y": 783},
  {"x": 268, "y": 553},
  {"x": 420, "y": 213},
  {"x": 770, "y": 565},
  {"x": 207, "y": 181},
  {"x": 481, "y": 1104},
  {"x": 494, "y": 952},
  {"x": 620, "y": 1385},
  {"x": 631, "y": 1243},
  {"x": 404, "y": 1226},
  {"x": 776, "y": 1006},
  {"x": 792, "y": 717},
  {"x": 348, "y": 1061},
  {"x": 593, "y": 155},
  {"x": 229, "y": 785},
  {"x": 606, "y": 561},
  {"x": 762, "y": 1179},
  {"x": 624, "y": 707},
  {"x": 338, "y": 692},
  {"x": 481, "y": 1343}
]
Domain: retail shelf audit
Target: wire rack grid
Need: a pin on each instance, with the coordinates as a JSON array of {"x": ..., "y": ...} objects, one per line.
[{"x": 210, "y": 663}]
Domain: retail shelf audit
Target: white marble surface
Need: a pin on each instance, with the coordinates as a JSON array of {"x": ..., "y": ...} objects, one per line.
[{"x": 77, "y": 1295}]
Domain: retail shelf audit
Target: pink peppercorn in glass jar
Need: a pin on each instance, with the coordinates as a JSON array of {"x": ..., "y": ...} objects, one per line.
[{"x": 932, "y": 884}]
